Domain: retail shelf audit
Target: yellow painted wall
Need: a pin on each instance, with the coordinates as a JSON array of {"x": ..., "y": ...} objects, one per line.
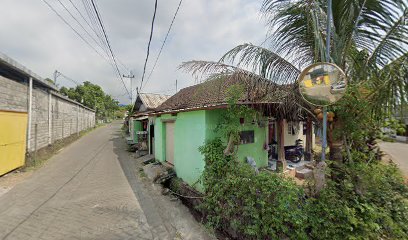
[{"x": 13, "y": 129}]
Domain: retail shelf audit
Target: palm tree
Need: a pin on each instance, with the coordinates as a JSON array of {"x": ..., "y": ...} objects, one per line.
[{"x": 369, "y": 41}]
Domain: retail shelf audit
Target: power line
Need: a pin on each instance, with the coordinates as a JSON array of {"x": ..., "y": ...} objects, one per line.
[
  {"x": 164, "y": 42},
  {"x": 84, "y": 39},
  {"x": 89, "y": 25},
  {"x": 96, "y": 28},
  {"x": 68, "y": 78},
  {"x": 58, "y": 73},
  {"x": 93, "y": 20},
  {"x": 109, "y": 46},
  {"x": 73, "y": 29},
  {"x": 79, "y": 23},
  {"x": 76, "y": 32},
  {"x": 83, "y": 17},
  {"x": 148, "y": 45}
]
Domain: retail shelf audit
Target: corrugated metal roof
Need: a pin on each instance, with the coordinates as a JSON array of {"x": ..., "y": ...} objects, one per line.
[{"x": 151, "y": 100}]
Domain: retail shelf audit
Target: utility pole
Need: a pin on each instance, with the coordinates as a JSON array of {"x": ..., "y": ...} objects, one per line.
[
  {"x": 328, "y": 40},
  {"x": 130, "y": 76},
  {"x": 56, "y": 75},
  {"x": 176, "y": 85}
]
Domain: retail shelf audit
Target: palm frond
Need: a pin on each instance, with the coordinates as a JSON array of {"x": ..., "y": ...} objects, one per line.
[
  {"x": 390, "y": 86},
  {"x": 393, "y": 44},
  {"x": 205, "y": 69},
  {"x": 298, "y": 29},
  {"x": 263, "y": 61}
]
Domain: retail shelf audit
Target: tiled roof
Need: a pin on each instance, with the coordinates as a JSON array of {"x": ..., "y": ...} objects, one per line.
[
  {"x": 151, "y": 100},
  {"x": 216, "y": 92}
]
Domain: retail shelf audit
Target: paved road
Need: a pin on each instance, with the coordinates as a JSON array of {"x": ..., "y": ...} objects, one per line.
[
  {"x": 399, "y": 154},
  {"x": 90, "y": 191}
]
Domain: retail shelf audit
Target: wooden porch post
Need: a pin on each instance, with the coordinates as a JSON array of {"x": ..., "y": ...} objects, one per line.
[
  {"x": 281, "y": 164},
  {"x": 309, "y": 140}
]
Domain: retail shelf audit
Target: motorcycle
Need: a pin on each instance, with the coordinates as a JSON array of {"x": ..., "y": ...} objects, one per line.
[{"x": 295, "y": 153}]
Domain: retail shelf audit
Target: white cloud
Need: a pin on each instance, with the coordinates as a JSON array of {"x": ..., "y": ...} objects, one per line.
[{"x": 204, "y": 29}]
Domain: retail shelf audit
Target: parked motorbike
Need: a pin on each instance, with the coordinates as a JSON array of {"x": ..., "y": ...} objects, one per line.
[{"x": 295, "y": 153}]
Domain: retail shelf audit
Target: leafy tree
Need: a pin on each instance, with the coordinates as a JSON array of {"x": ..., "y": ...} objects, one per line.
[{"x": 92, "y": 96}]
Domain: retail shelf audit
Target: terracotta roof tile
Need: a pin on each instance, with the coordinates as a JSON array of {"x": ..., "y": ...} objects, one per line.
[{"x": 215, "y": 92}]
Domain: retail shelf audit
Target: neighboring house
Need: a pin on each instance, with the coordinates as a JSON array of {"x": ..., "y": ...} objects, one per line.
[
  {"x": 188, "y": 119},
  {"x": 33, "y": 114},
  {"x": 139, "y": 127}
]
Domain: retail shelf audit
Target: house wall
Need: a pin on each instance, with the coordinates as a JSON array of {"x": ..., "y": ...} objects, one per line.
[
  {"x": 290, "y": 139},
  {"x": 189, "y": 135},
  {"x": 192, "y": 129},
  {"x": 67, "y": 117},
  {"x": 255, "y": 150},
  {"x": 137, "y": 126}
]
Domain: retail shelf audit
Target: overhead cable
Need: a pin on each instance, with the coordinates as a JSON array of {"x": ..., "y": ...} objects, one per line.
[
  {"x": 109, "y": 46},
  {"x": 73, "y": 29},
  {"x": 148, "y": 45},
  {"x": 164, "y": 42}
]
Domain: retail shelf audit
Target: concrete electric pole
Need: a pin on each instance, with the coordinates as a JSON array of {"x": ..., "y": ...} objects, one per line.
[{"x": 130, "y": 76}]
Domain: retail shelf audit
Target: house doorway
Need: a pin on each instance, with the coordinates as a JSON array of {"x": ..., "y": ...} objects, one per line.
[
  {"x": 272, "y": 141},
  {"x": 151, "y": 145},
  {"x": 170, "y": 142}
]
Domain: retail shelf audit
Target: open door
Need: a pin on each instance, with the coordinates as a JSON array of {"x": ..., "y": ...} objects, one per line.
[{"x": 151, "y": 139}]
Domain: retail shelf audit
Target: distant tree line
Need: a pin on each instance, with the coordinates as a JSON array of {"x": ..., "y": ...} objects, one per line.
[{"x": 92, "y": 96}]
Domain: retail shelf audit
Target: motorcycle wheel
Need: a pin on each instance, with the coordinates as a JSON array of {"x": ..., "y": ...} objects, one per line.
[{"x": 297, "y": 159}]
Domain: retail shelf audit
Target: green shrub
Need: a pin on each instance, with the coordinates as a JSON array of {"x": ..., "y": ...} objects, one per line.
[
  {"x": 256, "y": 205},
  {"x": 364, "y": 201},
  {"x": 369, "y": 201}
]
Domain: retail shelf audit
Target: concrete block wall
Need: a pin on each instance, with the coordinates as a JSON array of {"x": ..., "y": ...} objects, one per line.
[
  {"x": 39, "y": 119},
  {"x": 13, "y": 95},
  {"x": 67, "y": 117}
]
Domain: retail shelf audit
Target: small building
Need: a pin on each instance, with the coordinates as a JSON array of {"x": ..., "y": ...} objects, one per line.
[
  {"x": 188, "y": 119},
  {"x": 141, "y": 127}
]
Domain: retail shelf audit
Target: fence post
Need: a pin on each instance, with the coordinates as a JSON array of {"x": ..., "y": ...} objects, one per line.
[
  {"x": 35, "y": 142},
  {"x": 77, "y": 120}
]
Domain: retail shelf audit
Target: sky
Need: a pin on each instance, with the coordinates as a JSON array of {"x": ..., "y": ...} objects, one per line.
[{"x": 33, "y": 35}]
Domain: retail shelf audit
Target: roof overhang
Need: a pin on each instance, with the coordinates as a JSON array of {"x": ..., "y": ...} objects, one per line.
[{"x": 207, "y": 107}]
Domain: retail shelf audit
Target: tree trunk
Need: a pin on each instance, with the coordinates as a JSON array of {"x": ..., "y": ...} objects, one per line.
[
  {"x": 335, "y": 145},
  {"x": 319, "y": 175},
  {"x": 281, "y": 163},
  {"x": 309, "y": 140},
  {"x": 230, "y": 146}
]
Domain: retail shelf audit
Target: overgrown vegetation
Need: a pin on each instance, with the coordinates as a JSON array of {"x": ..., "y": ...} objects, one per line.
[{"x": 361, "y": 201}]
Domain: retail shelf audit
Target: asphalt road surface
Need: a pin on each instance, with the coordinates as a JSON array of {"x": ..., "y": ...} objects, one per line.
[
  {"x": 399, "y": 154},
  {"x": 91, "y": 190}
]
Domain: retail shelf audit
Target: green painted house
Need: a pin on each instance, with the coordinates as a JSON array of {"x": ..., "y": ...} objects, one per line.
[{"x": 189, "y": 118}]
